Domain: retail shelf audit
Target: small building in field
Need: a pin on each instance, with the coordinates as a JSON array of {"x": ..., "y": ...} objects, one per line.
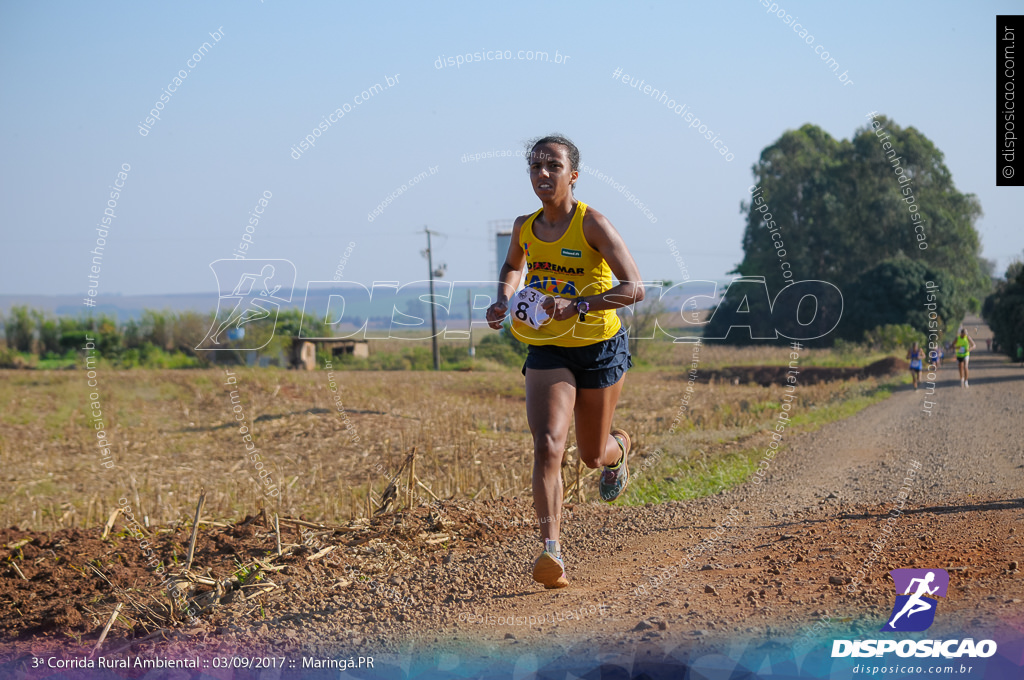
[{"x": 303, "y": 355}]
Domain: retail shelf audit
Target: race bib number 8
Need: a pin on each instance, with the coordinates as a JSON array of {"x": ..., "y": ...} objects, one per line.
[{"x": 526, "y": 307}]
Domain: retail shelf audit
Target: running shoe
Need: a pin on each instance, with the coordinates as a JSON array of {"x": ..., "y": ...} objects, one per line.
[
  {"x": 614, "y": 478},
  {"x": 549, "y": 570}
]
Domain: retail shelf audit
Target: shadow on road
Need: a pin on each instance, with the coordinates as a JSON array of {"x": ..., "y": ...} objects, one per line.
[{"x": 949, "y": 509}]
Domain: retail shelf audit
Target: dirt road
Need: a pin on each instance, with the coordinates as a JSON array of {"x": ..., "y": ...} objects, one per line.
[{"x": 798, "y": 541}]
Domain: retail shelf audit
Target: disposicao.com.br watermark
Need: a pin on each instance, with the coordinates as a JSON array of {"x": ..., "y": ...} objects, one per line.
[
  {"x": 309, "y": 141},
  {"x": 557, "y": 616},
  {"x": 495, "y": 153},
  {"x": 499, "y": 55},
  {"x": 176, "y": 82},
  {"x": 823, "y": 54}
]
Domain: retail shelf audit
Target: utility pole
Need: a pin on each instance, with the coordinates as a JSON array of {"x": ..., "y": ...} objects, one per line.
[
  {"x": 433, "y": 313},
  {"x": 469, "y": 315}
]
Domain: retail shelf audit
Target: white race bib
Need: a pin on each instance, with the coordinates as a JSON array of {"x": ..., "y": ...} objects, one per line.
[{"x": 525, "y": 307}]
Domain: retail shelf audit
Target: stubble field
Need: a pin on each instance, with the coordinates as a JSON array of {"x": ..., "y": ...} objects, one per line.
[{"x": 328, "y": 455}]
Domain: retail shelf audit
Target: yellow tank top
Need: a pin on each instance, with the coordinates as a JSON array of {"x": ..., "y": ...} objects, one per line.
[{"x": 568, "y": 268}]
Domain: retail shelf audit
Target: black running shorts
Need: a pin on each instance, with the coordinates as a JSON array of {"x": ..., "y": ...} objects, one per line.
[{"x": 594, "y": 366}]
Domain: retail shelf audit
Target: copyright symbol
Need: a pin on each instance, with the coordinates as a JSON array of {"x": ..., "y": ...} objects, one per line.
[{"x": 1007, "y": 171}]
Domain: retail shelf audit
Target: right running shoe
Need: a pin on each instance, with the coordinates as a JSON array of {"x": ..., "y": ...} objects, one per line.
[
  {"x": 549, "y": 570},
  {"x": 614, "y": 479}
]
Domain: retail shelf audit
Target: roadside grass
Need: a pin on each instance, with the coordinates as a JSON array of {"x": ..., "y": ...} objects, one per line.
[
  {"x": 687, "y": 479},
  {"x": 705, "y": 473}
]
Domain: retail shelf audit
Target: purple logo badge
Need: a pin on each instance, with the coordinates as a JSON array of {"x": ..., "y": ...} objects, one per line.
[{"x": 916, "y": 590}]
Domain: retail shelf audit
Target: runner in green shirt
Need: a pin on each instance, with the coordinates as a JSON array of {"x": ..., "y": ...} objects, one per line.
[{"x": 963, "y": 345}]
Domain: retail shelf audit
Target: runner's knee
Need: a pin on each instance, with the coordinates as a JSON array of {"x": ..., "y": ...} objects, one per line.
[{"x": 547, "y": 449}]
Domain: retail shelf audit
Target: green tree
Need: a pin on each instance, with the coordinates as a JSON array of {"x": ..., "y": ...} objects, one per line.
[
  {"x": 131, "y": 333},
  {"x": 1004, "y": 310},
  {"x": 799, "y": 199},
  {"x": 18, "y": 329},
  {"x": 896, "y": 292},
  {"x": 156, "y": 328},
  {"x": 107, "y": 335},
  {"x": 837, "y": 210},
  {"x": 188, "y": 329},
  {"x": 73, "y": 333},
  {"x": 49, "y": 333},
  {"x": 312, "y": 324}
]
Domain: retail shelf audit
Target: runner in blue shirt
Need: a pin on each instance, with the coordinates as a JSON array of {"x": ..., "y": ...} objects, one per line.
[{"x": 915, "y": 355}]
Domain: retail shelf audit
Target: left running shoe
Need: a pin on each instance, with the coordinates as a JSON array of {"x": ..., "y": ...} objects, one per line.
[
  {"x": 614, "y": 479},
  {"x": 549, "y": 570}
]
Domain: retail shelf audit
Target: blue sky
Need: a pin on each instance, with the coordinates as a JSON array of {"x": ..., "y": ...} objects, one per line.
[{"x": 78, "y": 78}]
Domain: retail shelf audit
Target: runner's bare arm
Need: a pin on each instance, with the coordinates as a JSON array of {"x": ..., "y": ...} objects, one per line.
[
  {"x": 605, "y": 239},
  {"x": 509, "y": 276},
  {"x": 512, "y": 271}
]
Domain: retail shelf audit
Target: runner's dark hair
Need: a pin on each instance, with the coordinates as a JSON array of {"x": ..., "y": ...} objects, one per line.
[{"x": 574, "y": 153}]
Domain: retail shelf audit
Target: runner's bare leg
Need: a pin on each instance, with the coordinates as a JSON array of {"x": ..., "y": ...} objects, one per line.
[
  {"x": 594, "y": 412},
  {"x": 549, "y": 400}
]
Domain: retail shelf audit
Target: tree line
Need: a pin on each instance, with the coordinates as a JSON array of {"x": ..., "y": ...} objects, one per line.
[{"x": 159, "y": 339}]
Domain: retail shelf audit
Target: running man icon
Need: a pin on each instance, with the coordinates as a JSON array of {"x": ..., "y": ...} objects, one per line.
[
  {"x": 255, "y": 296},
  {"x": 256, "y": 309},
  {"x": 916, "y": 606}
]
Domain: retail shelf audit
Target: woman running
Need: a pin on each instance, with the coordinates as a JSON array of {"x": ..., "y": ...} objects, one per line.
[
  {"x": 577, "y": 359},
  {"x": 963, "y": 344},
  {"x": 915, "y": 363}
]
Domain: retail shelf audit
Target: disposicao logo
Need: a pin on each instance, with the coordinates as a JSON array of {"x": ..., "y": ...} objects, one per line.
[
  {"x": 915, "y": 608},
  {"x": 914, "y": 611}
]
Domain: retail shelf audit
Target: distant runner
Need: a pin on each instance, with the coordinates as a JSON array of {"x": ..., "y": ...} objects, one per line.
[
  {"x": 915, "y": 355},
  {"x": 577, "y": 360},
  {"x": 963, "y": 344}
]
